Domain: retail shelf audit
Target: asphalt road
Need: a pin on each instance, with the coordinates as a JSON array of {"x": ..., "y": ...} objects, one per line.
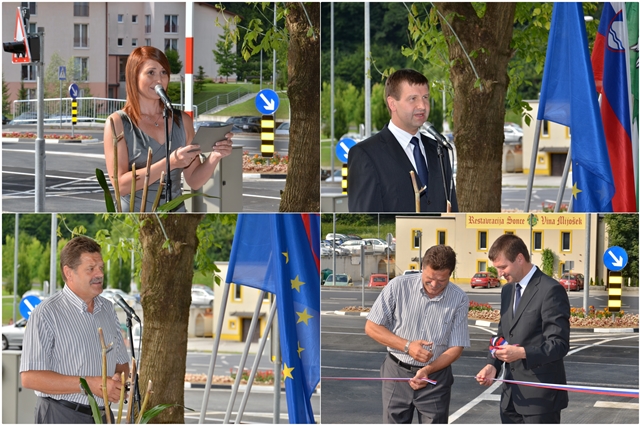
[
  {"x": 71, "y": 185},
  {"x": 594, "y": 359},
  {"x": 512, "y": 197}
]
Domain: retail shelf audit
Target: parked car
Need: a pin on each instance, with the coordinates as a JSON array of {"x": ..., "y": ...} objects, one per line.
[
  {"x": 485, "y": 280},
  {"x": 379, "y": 246},
  {"x": 5, "y": 120},
  {"x": 412, "y": 271},
  {"x": 340, "y": 238},
  {"x": 353, "y": 246},
  {"x": 337, "y": 176},
  {"x": 35, "y": 292},
  {"x": 283, "y": 129},
  {"x": 109, "y": 293},
  {"x": 247, "y": 123},
  {"x": 201, "y": 298},
  {"x": 340, "y": 280},
  {"x": 205, "y": 288},
  {"x": 27, "y": 118},
  {"x": 198, "y": 124},
  {"x": 378, "y": 280},
  {"x": 572, "y": 281},
  {"x": 12, "y": 335},
  {"x": 512, "y": 134}
]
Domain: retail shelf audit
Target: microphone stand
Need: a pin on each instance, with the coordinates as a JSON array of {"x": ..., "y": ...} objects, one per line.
[
  {"x": 444, "y": 183},
  {"x": 167, "y": 144},
  {"x": 136, "y": 386}
]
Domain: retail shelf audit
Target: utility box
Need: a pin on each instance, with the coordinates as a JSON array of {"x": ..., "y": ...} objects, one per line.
[
  {"x": 18, "y": 404},
  {"x": 225, "y": 184},
  {"x": 334, "y": 202}
]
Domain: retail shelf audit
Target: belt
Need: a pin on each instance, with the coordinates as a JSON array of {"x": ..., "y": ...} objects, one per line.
[
  {"x": 410, "y": 367},
  {"x": 82, "y": 408}
]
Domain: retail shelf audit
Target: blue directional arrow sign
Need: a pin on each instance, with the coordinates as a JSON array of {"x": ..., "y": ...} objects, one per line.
[
  {"x": 73, "y": 90},
  {"x": 342, "y": 149},
  {"x": 267, "y": 101},
  {"x": 615, "y": 258},
  {"x": 27, "y": 305}
]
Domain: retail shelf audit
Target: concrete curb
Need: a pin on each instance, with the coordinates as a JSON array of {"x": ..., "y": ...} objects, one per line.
[
  {"x": 243, "y": 388},
  {"x": 352, "y": 313},
  {"x": 23, "y": 139}
]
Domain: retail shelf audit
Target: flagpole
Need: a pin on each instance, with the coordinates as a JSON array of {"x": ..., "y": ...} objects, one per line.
[
  {"x": 277, "y": 369},
  {"x": 563, "y": 181},
  {"x": 243, "y": 359},
  {"x": 256, "y": 363},
  {"x": 532, "y": 165},
  {"x": 634, "y": 129}
]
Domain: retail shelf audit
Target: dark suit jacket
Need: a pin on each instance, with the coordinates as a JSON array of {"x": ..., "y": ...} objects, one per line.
[
  {"x": 541, "y": 326},
  {"x": 379, "y": 179}
]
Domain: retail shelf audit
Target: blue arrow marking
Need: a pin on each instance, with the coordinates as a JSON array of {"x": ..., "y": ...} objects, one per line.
[
  {"x": 615, "y": 258},
  {"x": 27, "y": 305},
  {"x": 342, "y": 149},
  {"x": 267, "y": 101},
  {"x": 73, "y": 90}
]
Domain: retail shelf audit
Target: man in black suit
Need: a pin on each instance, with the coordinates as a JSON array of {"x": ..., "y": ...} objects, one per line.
[
  {"x": 534, "y": 320},
  {"x": 379, "y": 179}
]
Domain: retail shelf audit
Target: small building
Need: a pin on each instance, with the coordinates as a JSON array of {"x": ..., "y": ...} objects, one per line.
[
  {"x": 555, "y": 140},
  {"x": 471, "y": 236}
]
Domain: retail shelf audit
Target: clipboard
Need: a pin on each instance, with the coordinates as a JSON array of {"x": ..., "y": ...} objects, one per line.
[{"x": 207, "y": 137}]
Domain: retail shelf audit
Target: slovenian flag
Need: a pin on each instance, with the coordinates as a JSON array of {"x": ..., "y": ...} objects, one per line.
[{"x": 611, "y": 71}]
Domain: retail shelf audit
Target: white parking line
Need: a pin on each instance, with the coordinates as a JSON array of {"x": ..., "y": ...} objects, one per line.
[{"x": 616, "y": 405}]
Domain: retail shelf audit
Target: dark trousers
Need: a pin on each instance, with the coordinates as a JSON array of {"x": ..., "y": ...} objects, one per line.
[
  {"x": 510, "y": 416},
  {"x": 399, "y": 400},
  {"x": 49, "y": 411}
]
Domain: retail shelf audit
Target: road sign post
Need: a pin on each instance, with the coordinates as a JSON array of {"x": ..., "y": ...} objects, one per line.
[
  {"x": 615, "y": 258},
  {"x": 73, "y": 93},
  {"x": 342, "y": 152},
  {"x": 62, "y": 76},
  {"x": 614, "y": 285},
  {"x": 267, "y": 103}
]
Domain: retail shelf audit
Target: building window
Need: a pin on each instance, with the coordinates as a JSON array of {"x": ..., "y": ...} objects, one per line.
[
  {"x": 147, "y": 42},
  {"x": 170, "y": 44},
  {"x": 537, "y": 241},
  {"x": 123, "y": 67},
  {"x": 441, "y": 237},
  {"x": 545, "y": 128},
  {"x": 120, "y": 42},
  {"x": 32, "y": 28},
  {"x": 237, "y": 292},
  {"x": 565, "y": 241},
  {"x": 481, "y": 266},
  {"x": 28, "y": 73},
  {"x": 509, "y": 232},
  {"x": 80, "y": 35},
  {"x": 134, "y": 19},
  {"x": 31, "y": 5},
  {"x": 120, "y": 18},
  {"x": 482, "y": 240},
  {"x": 147, "y": 24},
  {"x": 416, "y": 235},
  {"x": 81, "y": 69},
  {"x": 134, "y": 42},
  {"x": 171, "y": 24},
  {"x": 81, "y": 9}
]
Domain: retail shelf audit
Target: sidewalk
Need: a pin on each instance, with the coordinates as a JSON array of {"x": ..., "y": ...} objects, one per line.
[{"x": 521, "y": 180}]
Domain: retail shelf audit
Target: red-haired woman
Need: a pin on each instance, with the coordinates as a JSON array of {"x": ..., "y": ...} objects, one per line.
[{"x": 141, "y": 126}]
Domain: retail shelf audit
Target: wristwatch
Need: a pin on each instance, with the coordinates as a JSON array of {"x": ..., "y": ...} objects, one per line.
[{"x": 406, "y": 347}]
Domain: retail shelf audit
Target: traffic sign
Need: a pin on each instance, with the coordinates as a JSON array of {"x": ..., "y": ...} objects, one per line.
[
  {"x": 73, "y": 90},
  {"x": 62, "y": 73},
  {"x": 267, "y": 101},
  {"x": 615, "y": 258},
  {"x": 342, "y": 149},
  {"x": 20, "y": 35},
  {"x": 27, "y": 305}
]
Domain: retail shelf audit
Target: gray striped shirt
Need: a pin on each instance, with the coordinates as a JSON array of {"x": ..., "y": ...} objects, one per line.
[
  {"x": 62, "y": 336},
  {"x": 406, "y": 310}
]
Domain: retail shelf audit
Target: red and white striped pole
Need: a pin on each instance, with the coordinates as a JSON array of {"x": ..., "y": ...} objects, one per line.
[{"x": 188, "y": 78}]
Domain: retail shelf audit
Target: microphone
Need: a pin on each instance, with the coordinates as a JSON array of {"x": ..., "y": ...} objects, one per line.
[
  {"x": 127, "y": 309},
  {"x": 432, "y": 131},
  {"x": 163, "y": 96}
]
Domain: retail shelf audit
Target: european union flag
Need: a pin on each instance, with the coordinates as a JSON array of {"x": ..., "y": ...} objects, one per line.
[
  {"x": 569, "y": 97},
  {"x": 279, "y": 253}
]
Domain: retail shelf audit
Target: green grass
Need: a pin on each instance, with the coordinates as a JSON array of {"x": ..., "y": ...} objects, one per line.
[
  {"x": 7, "y": 310},
  {"x": 362, "y": 231},
  {"x": 249, "y": 108},
  {"x": 211, "y": 90},
  {"x": 325, "y": 155},
  {"x": 200, "y": 278}
]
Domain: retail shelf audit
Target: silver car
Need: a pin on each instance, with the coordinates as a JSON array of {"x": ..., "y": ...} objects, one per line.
[{"x": 12, "y": 335}]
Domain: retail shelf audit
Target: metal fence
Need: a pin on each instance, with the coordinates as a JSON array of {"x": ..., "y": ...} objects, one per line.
[
  {"x": 90, "y": 110},
  {"x": 223, "y": 99}
]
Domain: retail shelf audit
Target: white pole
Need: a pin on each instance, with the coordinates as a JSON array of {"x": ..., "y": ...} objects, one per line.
[
  {"x": 273, "y": 76},
  {"x": 367, "y": 73},
  {"x": 188, "y": 92},
  {"x": 41, "y": 166},
  {"x": 587, "y": 263},
  {"x": 15, "y": 270},
  {"x": 532, "y": 166},
  {"x": 333, "y": 91}
]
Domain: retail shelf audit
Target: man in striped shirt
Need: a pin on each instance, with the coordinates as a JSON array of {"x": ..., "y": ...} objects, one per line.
[
  {"x": 62, "y": 344},
  {"x": 422, "y": 320}
]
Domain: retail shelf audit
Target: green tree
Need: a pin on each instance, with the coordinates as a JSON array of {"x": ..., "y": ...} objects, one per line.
[
  {"x": 200, "y": 78},
  {"x": 175, "y": 64},
  {"x": 622, "y": 230},
  {"x": 548, "y": 261},
  {"x": 6, "y": 105},
  {"x": 379, "y": 112},
  {"x": 225, "y": 56},
  {"x": 51, "y": 81},
  {"x": 22, "y": 93}
]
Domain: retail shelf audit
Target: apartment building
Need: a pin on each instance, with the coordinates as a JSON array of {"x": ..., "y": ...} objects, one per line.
[{"x": 94, "y": 39}]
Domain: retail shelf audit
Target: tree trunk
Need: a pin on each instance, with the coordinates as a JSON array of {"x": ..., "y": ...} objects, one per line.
[
  {"x": 478, "y": 115},
  {"x": 165, "y": 297},
  {"x": 302, "y": 189}
]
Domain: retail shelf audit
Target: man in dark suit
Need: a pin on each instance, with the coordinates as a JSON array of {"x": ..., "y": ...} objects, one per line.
[
  {"x": 534, "y": 320},
  {"x": 379, "y": 178}
]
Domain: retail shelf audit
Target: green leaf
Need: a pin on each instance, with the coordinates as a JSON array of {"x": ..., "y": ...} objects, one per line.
[
  {"x": 108, "y": 200},
  {"x": 95, "y": 410},
  {"x": 174, "y": 203},
  {"x": 156, "y": 410}
]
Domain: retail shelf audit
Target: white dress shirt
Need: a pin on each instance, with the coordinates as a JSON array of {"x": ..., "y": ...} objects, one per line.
[{"x": 404, "y": 139}]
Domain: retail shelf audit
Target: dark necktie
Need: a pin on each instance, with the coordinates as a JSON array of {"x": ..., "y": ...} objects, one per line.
[
  {"x": 515, "y": 305},
  {"x": 421, "y": 165}
]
